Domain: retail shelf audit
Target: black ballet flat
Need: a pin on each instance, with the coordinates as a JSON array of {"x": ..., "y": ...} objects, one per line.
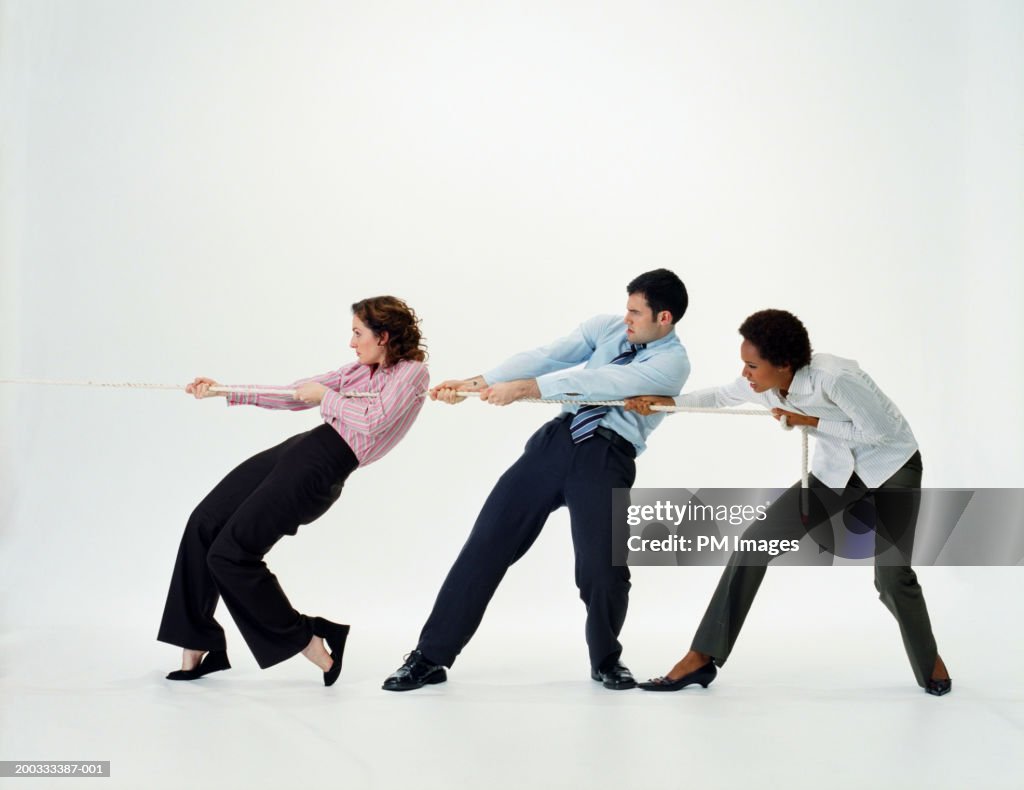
[
  {"x": 213, "y": 661},
  {"x": 939, "y": 687},
  {"x": 702, "y": 676},
  {"x": 335, "y": 634}
]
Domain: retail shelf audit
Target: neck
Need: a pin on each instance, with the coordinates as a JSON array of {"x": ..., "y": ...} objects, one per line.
[{"x": 785, "y": 385}]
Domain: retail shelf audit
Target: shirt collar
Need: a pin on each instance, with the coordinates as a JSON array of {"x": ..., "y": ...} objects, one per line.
[
  {"x": 801, "y": 383},
  {"x": 669, "y": 338}
]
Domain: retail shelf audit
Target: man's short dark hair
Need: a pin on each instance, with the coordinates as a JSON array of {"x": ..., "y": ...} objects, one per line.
[
  {"x": 780, "y": 337},
  {"x": 663, "y": 290}
]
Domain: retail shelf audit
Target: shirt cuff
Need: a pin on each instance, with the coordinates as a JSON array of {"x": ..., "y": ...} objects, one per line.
[{"x": 834, "y": 428}]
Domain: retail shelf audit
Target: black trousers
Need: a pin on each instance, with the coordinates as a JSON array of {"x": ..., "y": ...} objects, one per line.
[
  {"x": 896, "y": 501},
  {"x": 221, "y": 553},
  {"x": 552, "y": 472}
]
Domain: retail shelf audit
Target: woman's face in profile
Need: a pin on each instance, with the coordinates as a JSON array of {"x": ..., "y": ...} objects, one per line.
[
  {"x": 368, "y": 347},
  {"x": 760, "y": 373}
]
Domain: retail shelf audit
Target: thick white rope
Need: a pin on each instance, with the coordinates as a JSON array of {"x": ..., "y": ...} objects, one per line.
[
  {"x": 784, "y": 422},
  {"x": 248, "y": 389},
  {"x": 138, "y": 385},
  {"x": 85, "y": 383},
  {"x": 578, "y": 402}
]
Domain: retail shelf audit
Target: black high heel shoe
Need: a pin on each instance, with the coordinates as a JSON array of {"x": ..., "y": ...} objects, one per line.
[
  {"x": 213, "y": 661},
  {"x": 939, "y": 687},
  {"x": 702, "y": 675},
  {"x": 335, "y": 634}
]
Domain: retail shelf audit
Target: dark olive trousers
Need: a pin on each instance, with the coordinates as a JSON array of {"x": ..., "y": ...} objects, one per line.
[{"x": 896, "y": 503}]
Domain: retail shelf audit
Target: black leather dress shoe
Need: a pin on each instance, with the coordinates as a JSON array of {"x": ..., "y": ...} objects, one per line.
[
  {"x": 617, "y": 677},
  {"x": 415, "y": 673},
  {"x": 702, "y": 676},
  {"x": 939, "y": 687}
]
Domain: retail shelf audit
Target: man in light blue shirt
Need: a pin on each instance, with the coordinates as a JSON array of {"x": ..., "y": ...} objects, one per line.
[{"x": 575, "y": 460}]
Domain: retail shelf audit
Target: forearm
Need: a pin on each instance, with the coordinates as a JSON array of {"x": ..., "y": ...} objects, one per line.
[
  {"x": 506, "y": 392},
  {"x": 475, "y": 383}
]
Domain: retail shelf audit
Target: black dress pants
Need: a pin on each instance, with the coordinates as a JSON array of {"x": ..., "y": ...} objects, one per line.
[
  {"x": 896, "y": 501},
  {"x": 552, "y": 472},
  {"x": 221, "y": 553}
]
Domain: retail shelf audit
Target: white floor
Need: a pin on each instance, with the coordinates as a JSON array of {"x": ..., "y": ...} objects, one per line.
[{"x": 791, "y": 711}]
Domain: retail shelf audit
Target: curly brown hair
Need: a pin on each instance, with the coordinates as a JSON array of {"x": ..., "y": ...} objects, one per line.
[
  {"x": 780, "y": 337},
  {"x": 392, "y": 315}
]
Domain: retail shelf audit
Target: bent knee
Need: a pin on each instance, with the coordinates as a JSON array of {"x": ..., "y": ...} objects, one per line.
[
  {"x": 205, "y": 524},
  {"x": 217, "y": 562}
]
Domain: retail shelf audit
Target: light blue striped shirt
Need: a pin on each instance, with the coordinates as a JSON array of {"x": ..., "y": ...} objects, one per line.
[
  {"x": 659, "y": 369},
  {"x": 859, "y": 429}
]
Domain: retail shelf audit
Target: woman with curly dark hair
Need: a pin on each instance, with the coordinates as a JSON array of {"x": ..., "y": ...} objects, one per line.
[
  {"x": 294, "y": 483},
  {"x": 864, "y": 448}
]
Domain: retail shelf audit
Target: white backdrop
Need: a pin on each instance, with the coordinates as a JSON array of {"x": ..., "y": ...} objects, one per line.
[{"x": 204, "y": 188}]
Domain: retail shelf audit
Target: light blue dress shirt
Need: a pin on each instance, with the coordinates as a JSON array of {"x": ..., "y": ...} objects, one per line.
[{"x": 660, "y": 369}]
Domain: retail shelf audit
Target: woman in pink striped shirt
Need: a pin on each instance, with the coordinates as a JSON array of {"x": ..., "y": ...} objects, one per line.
[{"x": 294, "y": 483}]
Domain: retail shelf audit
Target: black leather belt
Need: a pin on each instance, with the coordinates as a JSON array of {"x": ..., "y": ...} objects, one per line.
[{"x": 617, "y": 441}]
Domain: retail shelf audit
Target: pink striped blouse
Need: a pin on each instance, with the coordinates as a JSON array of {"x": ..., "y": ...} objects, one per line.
[{"x": 370, "y": 426}]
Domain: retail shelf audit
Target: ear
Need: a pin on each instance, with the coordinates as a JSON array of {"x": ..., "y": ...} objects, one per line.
[
  {"x": 382, "y": 338},
  {"x": 665, "y": 317}
]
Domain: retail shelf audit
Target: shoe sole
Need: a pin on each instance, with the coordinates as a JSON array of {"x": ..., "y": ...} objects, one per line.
[{"x": 667, "y": 687}]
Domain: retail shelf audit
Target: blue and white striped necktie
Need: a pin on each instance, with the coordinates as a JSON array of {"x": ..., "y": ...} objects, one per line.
[{"x": 586, "y": 420}]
